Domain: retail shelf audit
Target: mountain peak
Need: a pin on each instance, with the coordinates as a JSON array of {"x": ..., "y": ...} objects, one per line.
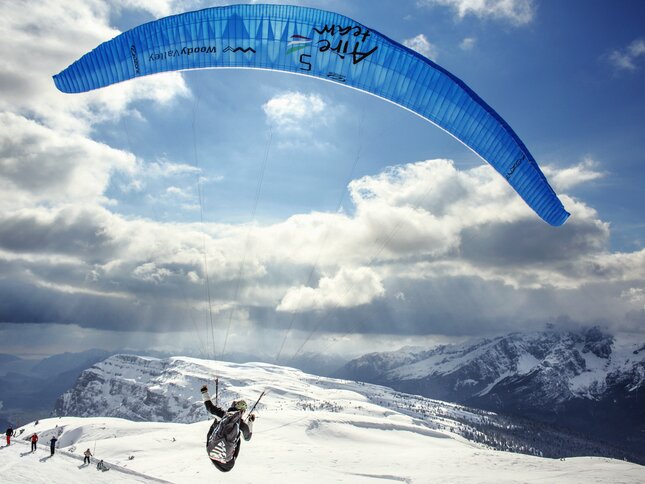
[{"x": 563, "y": 377}]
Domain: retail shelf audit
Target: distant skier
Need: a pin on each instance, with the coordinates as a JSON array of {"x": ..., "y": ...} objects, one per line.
[
  {"x": 87, "y": 454},
  {"x": 9, "y": 434},
  {"x": 34, "y": 441},
  {"x": 101, "y": 466},
  {"x": 223, "y": 439},
  {"x": 52, "y": 444}
]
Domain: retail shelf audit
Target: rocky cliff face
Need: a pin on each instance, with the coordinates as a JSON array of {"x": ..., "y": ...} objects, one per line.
[
  {"x": 584, "y": 381},
  {"x": 136, "y": 388}
]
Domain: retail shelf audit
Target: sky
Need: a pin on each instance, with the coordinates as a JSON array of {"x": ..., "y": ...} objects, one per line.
[{"x": 329, "y": 220}]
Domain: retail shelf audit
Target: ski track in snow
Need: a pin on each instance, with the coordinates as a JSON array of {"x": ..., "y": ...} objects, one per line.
[{"x": 62, "y": 467}]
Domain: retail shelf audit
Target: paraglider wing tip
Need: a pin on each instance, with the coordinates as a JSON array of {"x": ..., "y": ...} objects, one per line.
[
  {"x": 59, "y": 84},
  {"x": 63, "y": 83},
  {"x": 560, "y": 218}
]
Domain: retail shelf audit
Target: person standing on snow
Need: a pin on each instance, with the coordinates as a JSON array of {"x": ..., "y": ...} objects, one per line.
[
  {"x": 223, "y": 439},
  {"x": 9, "y": 434},
  {"x": 34, "y": 440},
  {"x": 87, "y": 454},
  {"x": 52, "y": 444}
]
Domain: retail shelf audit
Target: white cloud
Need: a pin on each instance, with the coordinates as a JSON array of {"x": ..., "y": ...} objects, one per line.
[
  {"x": 179, "y": 193},
  {"x": 37, "y": 164},
  {"x": 637, "y": 48},
  {"x": 421, "y": 44},
  {"x": 566, "y": 178},
  {"x": 293, "y": 111},
  {"x": 168, "y": 169},
  {"x": 518, "y": 12},
  {"x": 348, "y": 288},
  {"x": 635, "y": 295},
  {"x": 426, "y": 230},
  {"x": 47, "y": 155},
  {"x": 55, "y": 34},
  {"x": 149, "y": 272},
  {"x": 468, "y": 43},
  {"x": 146, "y": 173},
  {"x": 626, "y": 59}
]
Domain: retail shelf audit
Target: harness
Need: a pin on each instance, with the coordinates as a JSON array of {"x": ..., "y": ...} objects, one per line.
[{"x": 224, "y": 438}]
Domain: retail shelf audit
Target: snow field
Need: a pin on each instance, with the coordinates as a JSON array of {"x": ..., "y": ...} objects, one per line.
[{"x": 293, "y": 447}]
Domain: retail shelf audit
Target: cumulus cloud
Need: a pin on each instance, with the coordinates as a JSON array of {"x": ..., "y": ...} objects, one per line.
[
  {"x": 421, "y": 44},
  {"x": 518, "y": 12},
  {"x": 295, "y": 118},
  {"x": 47, "y": 154},
  {"x": 425, "y": 230},
  {"x": 627, "y": 58},
  {"x": 38, "y": 164},
  {"x": 348, "y": 288},
  {"x": 54, "y": 35},
  {"x": 566, "y": 178},
  {"x": 291, "y": 111}
]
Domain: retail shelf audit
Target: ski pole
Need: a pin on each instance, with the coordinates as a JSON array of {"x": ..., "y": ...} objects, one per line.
[{"x": 256, "y": 404}]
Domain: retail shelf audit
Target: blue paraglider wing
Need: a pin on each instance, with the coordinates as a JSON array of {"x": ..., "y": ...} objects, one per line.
[{"x": 325, "y": 45}]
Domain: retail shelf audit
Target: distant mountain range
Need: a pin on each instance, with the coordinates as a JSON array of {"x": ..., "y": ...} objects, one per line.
[{"x": 585, "y": 381}]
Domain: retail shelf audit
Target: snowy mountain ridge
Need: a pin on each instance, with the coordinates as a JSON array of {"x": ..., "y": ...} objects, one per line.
[
  {"x": 584, "y": 381},
  {"x": 585, "y": 364},
  {"x": 167, "y": 390}
]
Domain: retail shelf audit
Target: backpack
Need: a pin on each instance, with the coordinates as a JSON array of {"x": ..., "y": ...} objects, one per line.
[{"x": 224, "y": 438}]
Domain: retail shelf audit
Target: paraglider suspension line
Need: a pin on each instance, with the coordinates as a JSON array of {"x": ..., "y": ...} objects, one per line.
[
  {"x": 258, "y": 191},
  {"x": 201, "y": 220},
  {"x": 322, "y": 246}
]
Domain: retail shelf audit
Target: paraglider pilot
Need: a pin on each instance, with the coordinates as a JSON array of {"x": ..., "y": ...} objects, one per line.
[{"x": 223, "y": 439}]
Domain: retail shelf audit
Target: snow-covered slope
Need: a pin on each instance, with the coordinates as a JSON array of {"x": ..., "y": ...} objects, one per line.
[
  {"x": 309, "y": 430},
  {"x": 586, "y": 381},
  {"x": 289, "y": 446}
]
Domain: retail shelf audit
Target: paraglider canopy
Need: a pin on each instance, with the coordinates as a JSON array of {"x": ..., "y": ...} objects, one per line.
[{"x": 327, "y": 46}]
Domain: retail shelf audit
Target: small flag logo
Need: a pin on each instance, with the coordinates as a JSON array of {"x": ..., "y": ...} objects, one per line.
[{"x": 297, "y": 42}]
